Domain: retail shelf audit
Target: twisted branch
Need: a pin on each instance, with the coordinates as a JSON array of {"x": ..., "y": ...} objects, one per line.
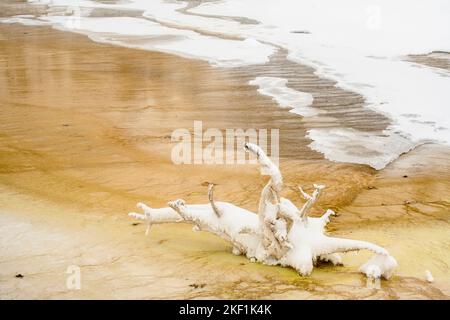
[{"x": 211, "y": 200}]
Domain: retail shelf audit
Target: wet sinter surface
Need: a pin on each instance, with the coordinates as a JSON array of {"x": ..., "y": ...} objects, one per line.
[{"x": 85, "y": 134}]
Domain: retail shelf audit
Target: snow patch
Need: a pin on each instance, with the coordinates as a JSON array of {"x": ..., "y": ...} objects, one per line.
[
  {"x": 276, "y": 88},
  {"x": 353, "y": 146}
]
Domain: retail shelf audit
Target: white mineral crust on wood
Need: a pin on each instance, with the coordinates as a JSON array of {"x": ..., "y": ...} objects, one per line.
[{"x": 278, "y": 234}]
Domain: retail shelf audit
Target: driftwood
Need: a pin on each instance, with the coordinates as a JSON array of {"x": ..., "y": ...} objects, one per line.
[{"x": 279, "y": 234}]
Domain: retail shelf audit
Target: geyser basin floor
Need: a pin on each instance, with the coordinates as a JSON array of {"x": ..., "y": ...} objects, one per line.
[{"x": 81, "y": 148}]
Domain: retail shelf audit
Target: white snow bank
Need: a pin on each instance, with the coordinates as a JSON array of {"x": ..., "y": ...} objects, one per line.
[
  {"x": 379, "y": 27},
  {"x": 26, "y": 21},
  {"x": 124, "y": 31}
]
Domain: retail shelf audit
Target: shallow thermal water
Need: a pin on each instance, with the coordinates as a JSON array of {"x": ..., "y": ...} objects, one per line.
[{"x": 363, "y": 53}]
